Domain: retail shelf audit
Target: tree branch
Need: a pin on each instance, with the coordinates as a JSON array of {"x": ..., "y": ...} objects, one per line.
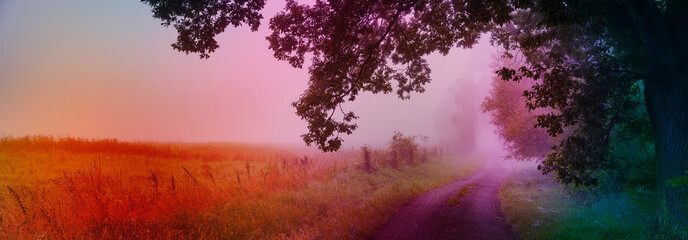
[
  {"x": 377, "y": 44},
  {"x": 635, "y": 74}
]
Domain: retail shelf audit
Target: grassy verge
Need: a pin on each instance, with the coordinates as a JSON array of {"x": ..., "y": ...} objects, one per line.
[
  {"x": 349, "y": 205},
  {"x": 85, "y": 189},
  {"x": 537, "y": 207}
]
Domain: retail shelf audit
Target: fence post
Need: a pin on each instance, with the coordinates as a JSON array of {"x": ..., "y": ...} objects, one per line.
[
  {"x": 366, "y": 158},
  {"x": 393, "y": 160},
  {"x": 410, "y": 155}
]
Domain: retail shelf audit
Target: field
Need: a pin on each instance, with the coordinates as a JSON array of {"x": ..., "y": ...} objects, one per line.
[
  {"x": 537, "y": 207},
  {"x": 57, "y": 188}
]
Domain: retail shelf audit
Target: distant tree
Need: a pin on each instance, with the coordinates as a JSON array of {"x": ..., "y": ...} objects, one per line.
[
  {"x": 464, "y": 118},
  {"x": 514, "y": 121},
  {"x": 424, "y": 154}
]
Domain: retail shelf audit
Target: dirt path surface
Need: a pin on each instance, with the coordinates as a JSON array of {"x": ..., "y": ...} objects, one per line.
[{"x": 442, "y": 214}]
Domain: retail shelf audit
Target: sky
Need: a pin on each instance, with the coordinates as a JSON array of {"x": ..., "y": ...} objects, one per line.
[{"x": 105, "y": 69}]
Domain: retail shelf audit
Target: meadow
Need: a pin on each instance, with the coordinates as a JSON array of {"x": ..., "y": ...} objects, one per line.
[
  {"x": 537, "y": 207},
  {"x": 68, "y": 188}
]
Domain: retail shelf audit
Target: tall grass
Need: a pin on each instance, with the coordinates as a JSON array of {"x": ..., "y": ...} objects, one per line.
[
  {"x": 105, "y": 189},
  {"x": 537, "y": 207}
]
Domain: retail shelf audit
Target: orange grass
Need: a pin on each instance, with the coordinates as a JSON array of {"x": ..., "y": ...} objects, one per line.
[{"x": 59, "y": 188}]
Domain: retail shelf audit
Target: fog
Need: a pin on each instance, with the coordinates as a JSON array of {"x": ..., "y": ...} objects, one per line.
[{"x": 105, "y": 70}]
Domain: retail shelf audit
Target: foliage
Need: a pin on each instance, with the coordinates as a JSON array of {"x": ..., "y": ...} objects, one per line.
[
  {"x": 198, "y": 22},
  {"x": 626, "y": 132},
  {"x": 631, "y": 151},
  {"x": 680, "y": 181},
  {"x": 516, "y": 124},
  {"x": 403, "y": 145},
  {"x": 537, "y": 207},
  {"x": 364, "y": 45},
  {"x": 577, "y": 81},
  {"x": 595, "y": 59}
]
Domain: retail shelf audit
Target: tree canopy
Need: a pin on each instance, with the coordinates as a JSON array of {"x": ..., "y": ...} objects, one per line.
[
  {"x": 580, "y": 83},
  {"x": 514, "y": 121},
  {"x": 366, "y": 45},
  {"x": 198, "y": 22}
]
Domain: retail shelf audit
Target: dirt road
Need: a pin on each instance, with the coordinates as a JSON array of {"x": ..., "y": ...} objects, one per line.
[{"x": 442, "y": 214}]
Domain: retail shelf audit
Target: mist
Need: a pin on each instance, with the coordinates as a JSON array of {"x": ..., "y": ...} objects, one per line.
[
  {"x": 462, "y": 126},
  {"x": 88, "y": 81},
  {"x": 448, "y": 112}
]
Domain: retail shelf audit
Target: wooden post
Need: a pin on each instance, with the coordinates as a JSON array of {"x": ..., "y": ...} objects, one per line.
[
  {"x": 366, "y": 159},
  {"x": 410, "y": 155},
  {"x": 238, "y": 178},
  {"x": 393, "y": 160}
]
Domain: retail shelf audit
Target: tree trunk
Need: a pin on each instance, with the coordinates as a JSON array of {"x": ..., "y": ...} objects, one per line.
[
  {"x": 667, "y": 103},
  {"x": 663, "y": 37}
]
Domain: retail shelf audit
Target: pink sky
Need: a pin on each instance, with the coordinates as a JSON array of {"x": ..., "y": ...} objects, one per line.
[{"x": 105, "y": 69}]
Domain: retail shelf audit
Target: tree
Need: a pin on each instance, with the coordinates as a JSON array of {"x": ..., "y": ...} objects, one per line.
[
  {"x": 593, "y": 64},
  {"x": 570, "y": 88},
  {"x": 464, "y": 118},
  {"x": 514, "y": 121},
  {"x": 404, "y": 145},
  {"x": 365, "y": 45},
  {"x": 621, "y": 123}
]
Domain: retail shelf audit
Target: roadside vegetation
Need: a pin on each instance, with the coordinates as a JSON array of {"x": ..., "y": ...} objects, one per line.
[
  {"x": 602, "y": 177},
  {"x": 66, "y": 188},
  {"x": 537, "y": 207}
]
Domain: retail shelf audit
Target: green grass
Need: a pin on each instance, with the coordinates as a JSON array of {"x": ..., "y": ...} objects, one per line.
[
  {"x": 456, "y": 199},
  {"x": 349, "y": 205},
  {"x": 537, "y": 207}
]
